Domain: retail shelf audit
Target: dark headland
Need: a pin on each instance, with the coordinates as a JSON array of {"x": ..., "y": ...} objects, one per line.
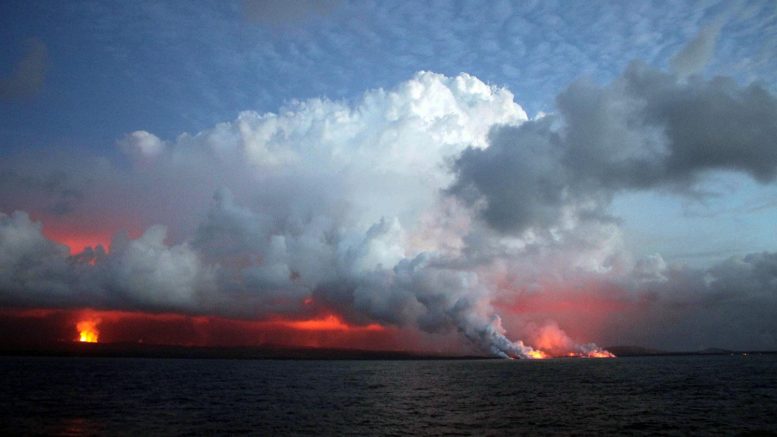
[
  {"x": 638, "y": 351},
  {"x": 263, "y": 352},
  {"x": 280, "y": 352}
]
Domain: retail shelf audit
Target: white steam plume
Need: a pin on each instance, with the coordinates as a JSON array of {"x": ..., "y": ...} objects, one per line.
[{"x": 421, "y": 205}]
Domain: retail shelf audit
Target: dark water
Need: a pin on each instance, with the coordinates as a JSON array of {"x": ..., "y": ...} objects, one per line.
[{"x": 676, "y": 395}]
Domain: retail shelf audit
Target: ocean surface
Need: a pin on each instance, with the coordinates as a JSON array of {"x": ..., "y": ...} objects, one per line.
[{"x": 672, "y": 395}]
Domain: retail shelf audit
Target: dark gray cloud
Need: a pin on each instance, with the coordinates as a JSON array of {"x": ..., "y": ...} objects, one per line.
[
  {"x": 27, "y": 76},
  {"x": 648, "y": 129},
  {"x": 54, "y": 189},
  {"x": 34, "y": 270},
  {"x": 522, "y": 186},
  {"x": 731, "y": 305}
]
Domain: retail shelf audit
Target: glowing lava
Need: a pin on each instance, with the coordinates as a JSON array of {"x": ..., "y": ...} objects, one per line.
[
  {"x": 87, "y": 331},
  {"x": 551, "y": 341},
  {"x": 538, "y": 355},
  {"x": 328, "y": 323},
  {"x": 600, "y": 353}
]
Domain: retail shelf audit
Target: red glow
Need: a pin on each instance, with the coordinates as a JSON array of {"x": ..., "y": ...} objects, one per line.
[
  {"x": 76, "y": 243},
  {"x": 562, "y": 298},
  {"x": 328, "y": 323},
  {"x": 35, "y": 313},
  {"x": 600, "y": 354},
  {"x": 21, "y": 326},
  {"x": 553, "y": 341},
  {"x": 87, "y": 331},
  {"x": 538, "y": 355},
  {"x": 77, "y": 235},
  {"x": 584, "y": 308}
]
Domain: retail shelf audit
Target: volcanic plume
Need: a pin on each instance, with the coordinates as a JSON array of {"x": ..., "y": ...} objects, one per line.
[{"x": 436, "y": 207}]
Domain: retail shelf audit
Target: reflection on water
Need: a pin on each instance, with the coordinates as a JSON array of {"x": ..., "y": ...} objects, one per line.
[
  {"x": 686, "y": 395},
  {"x": 77, "y": 426}
]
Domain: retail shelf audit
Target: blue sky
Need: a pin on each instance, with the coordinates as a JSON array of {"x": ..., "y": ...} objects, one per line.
[
  {"x": 133, "y": 113},
  {"x": 173, "y": 67},
  {"x": 170, "y": 67}
]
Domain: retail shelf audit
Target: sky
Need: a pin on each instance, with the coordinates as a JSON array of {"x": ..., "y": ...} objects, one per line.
[{"x": 445, "y": 176}]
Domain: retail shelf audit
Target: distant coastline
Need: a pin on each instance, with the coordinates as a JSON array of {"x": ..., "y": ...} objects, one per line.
[
  {"x": 279, "y": 352},
  {"x": 638, "y": 351},
  {"x": 263, "y": 352}
]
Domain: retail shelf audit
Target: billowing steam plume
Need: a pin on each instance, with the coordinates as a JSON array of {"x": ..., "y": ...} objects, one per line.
[{"x": 428, "y": 205}]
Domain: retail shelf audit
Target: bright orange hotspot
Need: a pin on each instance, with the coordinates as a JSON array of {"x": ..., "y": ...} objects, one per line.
[{"x": 87, "y": 331}]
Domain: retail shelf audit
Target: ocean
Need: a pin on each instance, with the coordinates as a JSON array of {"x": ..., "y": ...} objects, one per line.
[{"x": 651, "y": 395}]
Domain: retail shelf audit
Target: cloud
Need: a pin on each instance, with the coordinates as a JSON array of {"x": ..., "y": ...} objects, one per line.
[
  {"x": 27, "y": 77},
  {"x": 645, "y": 130},
  {"x": 730, "y": 304},
  {"x": 54, "y": 190},
  {"x": 697, "y": 53},
  {"x": 648, "y": 302},
  {"x": 151, "y": 274},
  {"x": 142, "y": 145},
  {"x": 427, "y": 205},
  {"x": 142, "y": 273},
  {"x": 323, "y": 202}
]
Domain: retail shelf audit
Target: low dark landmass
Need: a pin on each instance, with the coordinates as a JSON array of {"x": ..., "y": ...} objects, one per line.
[
  {"x": 638, "y": 351},
  {"x": 280, "y": 352},
  {"x": 265, "y": 352},
  {"x": 634, "y": 351}
]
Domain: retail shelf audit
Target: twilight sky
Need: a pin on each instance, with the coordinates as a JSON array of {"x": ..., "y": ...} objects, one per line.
[{"x": 444, "y": 176}]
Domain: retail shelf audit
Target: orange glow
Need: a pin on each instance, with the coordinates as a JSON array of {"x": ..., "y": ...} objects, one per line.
[
  {"x": 551, "y": 341},
  {"x": 87, "y": 331},
  {"x": 585, "y": 308},
  {"x": 537, "y": 354},
  {"x": 328, "y": 323},
  {"x": 596, "y": 353},
  {"x": 325, "y": 330},
  {"x": 77, "y": 235},
  {"x": 77, "y": 242},
  {"x": 600, "y": 353}
]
